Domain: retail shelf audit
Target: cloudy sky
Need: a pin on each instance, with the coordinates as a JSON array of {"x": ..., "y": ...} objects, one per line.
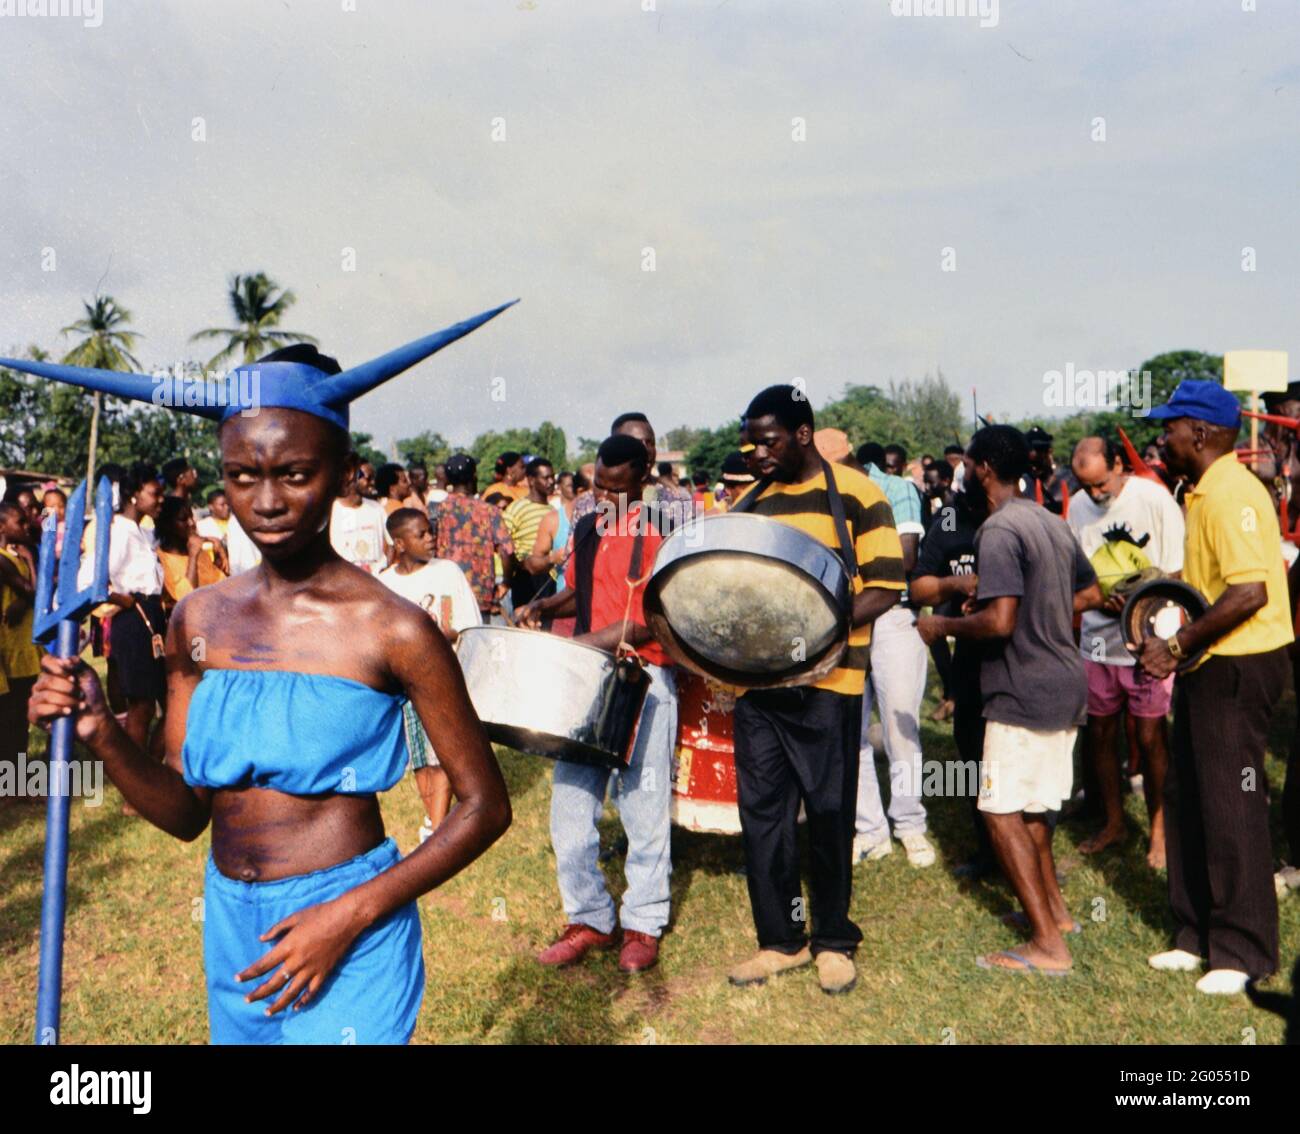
[{"x": 675, "y": 130}]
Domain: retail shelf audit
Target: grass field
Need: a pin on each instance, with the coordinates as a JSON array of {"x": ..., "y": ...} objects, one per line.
[{"x": 133, "y": 962}]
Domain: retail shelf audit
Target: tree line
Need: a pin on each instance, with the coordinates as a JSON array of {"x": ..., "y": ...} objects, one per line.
[{"x": 47, "y": 426}]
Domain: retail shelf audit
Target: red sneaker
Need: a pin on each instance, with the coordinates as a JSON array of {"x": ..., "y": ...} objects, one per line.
[
  {"x": 640, "y": 952},
  {"x": 575, "y": 943}
]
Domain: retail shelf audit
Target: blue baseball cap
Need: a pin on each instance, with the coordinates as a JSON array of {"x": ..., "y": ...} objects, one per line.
[{"x": 1203, "y": 401}]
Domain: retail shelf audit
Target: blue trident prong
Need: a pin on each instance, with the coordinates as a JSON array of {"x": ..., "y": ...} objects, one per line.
[{"x": 57, "y": 619}]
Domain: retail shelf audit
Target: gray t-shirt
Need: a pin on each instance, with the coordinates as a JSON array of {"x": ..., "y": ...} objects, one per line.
[{"x": 1035, "y": 678}]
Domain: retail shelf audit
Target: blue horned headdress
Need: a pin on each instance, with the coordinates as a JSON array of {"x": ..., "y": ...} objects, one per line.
[{"x": 282, "y": 385}]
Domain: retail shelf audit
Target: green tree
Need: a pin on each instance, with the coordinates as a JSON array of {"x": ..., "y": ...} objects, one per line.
[
  {"x": 429, "y": 447},
  {"x": 107, "y": 346},
  {"x": 684, "y": 437},
  {"x": 361, "y": 445},
  {"x": 1166, "y": 371},
  {"x": 586, "y": 454},
  {"x": 258, "y": 304},
  {"x": 864, "y": 413},
  {"x": 712, "y": 448},
  {"x": 547, "y": 440}
]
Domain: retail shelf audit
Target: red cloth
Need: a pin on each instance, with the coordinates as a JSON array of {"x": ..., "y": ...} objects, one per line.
[{"x": 609, "y": 584}]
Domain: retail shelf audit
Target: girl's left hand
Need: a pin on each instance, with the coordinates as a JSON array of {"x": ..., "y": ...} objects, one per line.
[{"x": 313, "y": 942}]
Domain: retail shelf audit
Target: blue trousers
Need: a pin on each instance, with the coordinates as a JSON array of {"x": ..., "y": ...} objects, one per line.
[
  {"x": 372, "y": 996},
  {"x": 644, "y": 794}
]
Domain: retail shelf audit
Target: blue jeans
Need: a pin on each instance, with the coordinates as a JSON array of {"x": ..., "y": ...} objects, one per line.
[{"x": 643, "y": 792}]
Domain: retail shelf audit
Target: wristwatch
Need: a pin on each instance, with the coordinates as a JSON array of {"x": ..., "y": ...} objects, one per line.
[{"x": 1174, "y": 648}]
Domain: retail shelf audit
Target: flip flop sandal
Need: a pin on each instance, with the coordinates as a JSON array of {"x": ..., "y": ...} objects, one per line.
[
  {"x": 1017, "y": 920},
  {"x": 1024, "y": 965}
]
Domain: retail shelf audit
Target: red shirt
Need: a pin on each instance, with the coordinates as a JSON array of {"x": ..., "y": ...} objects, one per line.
[{"x": 609, "y": 585}]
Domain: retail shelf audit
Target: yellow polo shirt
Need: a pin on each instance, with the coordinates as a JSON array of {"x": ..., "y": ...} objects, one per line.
[{"x": 1233, "y": 537}]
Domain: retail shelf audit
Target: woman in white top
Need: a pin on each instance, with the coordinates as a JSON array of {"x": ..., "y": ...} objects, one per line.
[{"x": 135, "y": 582}]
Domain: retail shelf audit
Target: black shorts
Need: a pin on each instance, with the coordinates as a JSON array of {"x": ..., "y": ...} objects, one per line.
[{"x": 140, "y": 676}]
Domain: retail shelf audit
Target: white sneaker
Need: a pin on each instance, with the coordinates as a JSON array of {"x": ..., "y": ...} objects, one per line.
[
  {"x": 864, "y": 851},
  {"x": 1286, "y": 880},
  {"x": 1223, "y": 982},
  {"x": 426, "y": 830},
  {"x": 1175, "y": 961},
  {"x": 919, "y": 851}
]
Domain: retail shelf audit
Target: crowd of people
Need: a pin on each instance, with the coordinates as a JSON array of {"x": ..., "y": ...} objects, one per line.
[{"x": 1007, "y": 568}]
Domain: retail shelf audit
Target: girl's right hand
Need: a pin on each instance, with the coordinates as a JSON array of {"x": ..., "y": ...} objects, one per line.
[{"x": 69, "y": 687}]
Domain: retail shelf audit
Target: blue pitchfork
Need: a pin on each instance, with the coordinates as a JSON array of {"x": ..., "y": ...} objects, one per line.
[{"x": 57, "y": 620}]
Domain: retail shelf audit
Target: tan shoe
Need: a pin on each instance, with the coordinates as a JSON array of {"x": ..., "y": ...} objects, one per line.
[
  {"x": 836, "y": 973},
  {"x": 767, "y": 963}
]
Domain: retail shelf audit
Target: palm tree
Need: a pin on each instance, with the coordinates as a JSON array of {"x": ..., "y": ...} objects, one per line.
[
  {"x": 257, "y": 309},
  {"x": 107, "y": 346}
]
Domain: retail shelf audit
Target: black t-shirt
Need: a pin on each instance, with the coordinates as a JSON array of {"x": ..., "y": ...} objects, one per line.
[{"x": 949, "y": 549}]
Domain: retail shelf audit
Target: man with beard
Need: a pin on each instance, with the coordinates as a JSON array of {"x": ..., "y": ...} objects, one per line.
[
  {"x": 800, "y": 745},
  {"x": 1127, "y": 526},
  {"x": 1033, "y": 578},
  {"x": 1216, "y": 799}
]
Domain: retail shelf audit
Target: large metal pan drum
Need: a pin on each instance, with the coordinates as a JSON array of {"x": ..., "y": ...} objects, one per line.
[
  {"x": 749, "y": 601},
  {"x": 552, "y": 696}
]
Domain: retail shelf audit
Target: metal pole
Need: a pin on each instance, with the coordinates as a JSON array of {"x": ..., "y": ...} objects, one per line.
[
  {"x": 54, "y": 900},
  {"x": 94, "y": 439}
]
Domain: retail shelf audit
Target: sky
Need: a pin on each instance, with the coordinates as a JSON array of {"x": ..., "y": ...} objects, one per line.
[{"x": 793, "y": 172}]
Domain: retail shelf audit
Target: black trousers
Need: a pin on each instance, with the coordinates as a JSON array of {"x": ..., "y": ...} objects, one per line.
[
  {"x": 1291, "y": 792},
  {"x": 968, "y": 733},
  {"x": 1216, "y": 818},
  {"x": 792, "y": 746},
  {"x": 943, "y": 665}
]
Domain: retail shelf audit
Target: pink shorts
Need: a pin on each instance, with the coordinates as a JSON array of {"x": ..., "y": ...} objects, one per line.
[{"x": 1111, "y": 687}]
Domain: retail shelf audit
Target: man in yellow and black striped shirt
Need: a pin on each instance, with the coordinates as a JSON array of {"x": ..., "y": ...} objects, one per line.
[{"x": 801, "y": 745}]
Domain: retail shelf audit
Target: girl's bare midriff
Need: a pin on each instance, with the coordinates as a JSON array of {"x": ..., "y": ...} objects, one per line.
[{"x": 260, "y": 835}]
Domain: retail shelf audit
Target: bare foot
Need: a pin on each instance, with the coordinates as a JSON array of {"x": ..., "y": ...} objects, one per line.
[
  {"x": 943, "y": 710},
  {"x": 1027, "y": 957},
  {"x": 1106, "y": 837}
]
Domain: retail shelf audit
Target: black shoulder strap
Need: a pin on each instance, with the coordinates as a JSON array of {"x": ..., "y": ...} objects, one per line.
[
  {"x": 585, "y": 541},
  {"x": 746, "y": 503},
  {"x": 644, "y": 517},
  {"x": 841, "y": 522}
]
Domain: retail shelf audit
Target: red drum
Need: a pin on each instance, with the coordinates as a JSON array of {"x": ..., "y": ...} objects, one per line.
[{"x": 704, "y": 775}]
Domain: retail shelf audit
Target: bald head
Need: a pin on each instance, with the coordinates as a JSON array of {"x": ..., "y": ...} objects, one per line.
[{"x": 1098, "y": 469}]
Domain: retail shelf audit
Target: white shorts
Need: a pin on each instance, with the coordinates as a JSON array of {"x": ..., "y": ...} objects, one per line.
[{"x": 1025, "y": 770}]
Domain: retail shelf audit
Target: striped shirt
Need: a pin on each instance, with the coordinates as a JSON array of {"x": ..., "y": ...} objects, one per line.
[
  {"x": 876, "y": 546},
  {"x": 523, "y": 518}
]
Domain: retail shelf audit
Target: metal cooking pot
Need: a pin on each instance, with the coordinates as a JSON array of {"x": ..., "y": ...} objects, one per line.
[
  {"x": 749, "y": 601},
  {"x": 552, "y": 696}
]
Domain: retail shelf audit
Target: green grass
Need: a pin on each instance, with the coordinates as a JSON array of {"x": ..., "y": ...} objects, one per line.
[{"x": 134, "y": 972}]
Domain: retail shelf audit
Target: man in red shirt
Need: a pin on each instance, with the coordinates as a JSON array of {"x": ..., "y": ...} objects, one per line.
[{"x": 613, "y": 547}]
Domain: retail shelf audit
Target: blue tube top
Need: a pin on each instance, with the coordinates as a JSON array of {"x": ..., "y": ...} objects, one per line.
[{"x": 299, "y": 733}]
